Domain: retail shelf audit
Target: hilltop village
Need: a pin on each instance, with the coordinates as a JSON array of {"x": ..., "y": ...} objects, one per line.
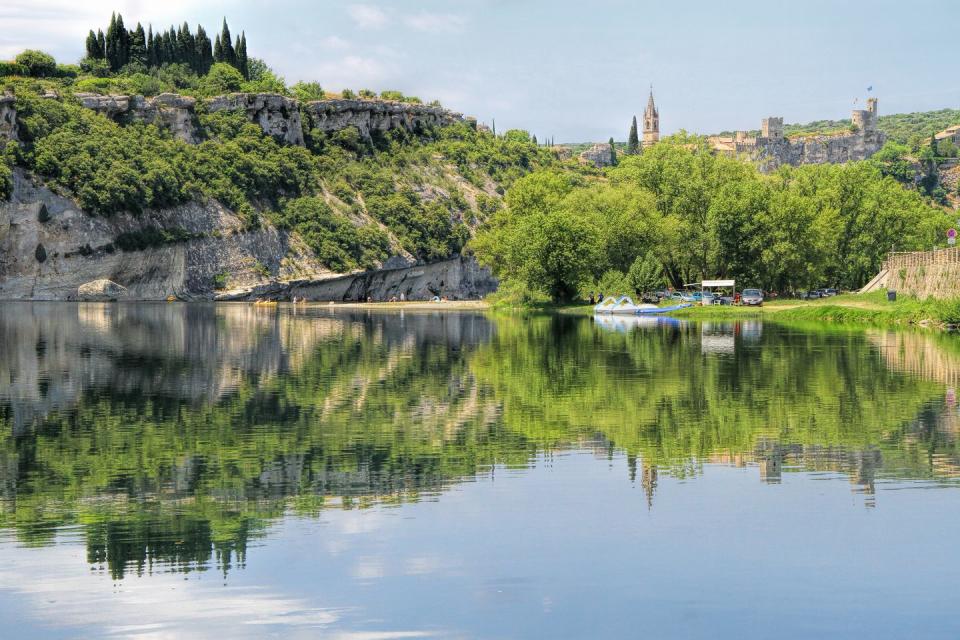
[{"x": 771, "y": 148}]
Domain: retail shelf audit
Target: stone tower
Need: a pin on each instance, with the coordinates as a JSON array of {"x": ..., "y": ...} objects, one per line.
[{"x": 651, "y": 122}]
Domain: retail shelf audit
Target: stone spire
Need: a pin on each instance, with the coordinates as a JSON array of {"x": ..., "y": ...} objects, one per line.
[{"x": 651, "y": 122}]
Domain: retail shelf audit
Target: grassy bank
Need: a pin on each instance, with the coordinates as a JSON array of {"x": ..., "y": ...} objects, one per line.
[{"x": 871, "y": 309}]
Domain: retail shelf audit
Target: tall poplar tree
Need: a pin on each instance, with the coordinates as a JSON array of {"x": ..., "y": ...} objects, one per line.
[{"x": 242, "y": 63}]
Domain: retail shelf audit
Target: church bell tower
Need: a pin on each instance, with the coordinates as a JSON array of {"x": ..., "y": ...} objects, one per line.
[{"x": 651, "y": 122}]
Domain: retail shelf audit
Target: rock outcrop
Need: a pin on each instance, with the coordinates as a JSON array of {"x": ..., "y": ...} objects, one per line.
[
  {"x": 368, "y": 116},
  {"x": 8, "y": 118},
  {"x": 460, "y": 278},
  {"x": 80, "y": 248},
  {"x": 101, "y": 291},
  {"x": 278, "y": 116},
  {"x": 167, "y": 110}
]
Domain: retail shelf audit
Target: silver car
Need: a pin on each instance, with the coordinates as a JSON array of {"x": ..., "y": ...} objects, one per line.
[{"x": 751, "y": 298}]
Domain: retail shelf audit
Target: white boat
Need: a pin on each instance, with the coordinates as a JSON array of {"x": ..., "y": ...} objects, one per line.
[{"x": 624, "y": 305}]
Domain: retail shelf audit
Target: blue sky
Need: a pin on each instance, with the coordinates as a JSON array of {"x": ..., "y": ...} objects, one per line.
[{"x": 574, "y": 70}]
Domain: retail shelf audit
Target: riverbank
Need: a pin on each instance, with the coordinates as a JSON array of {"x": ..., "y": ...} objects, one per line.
[{"x": 870, "y": 309}]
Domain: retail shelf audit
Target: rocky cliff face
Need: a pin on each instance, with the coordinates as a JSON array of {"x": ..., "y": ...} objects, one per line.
[
  {"x": 369, "y": 116},
  {"x": 278, "y": 116},
  {"x": 460, "y": 278},
  {"x": 8, "y": 118},
  {"x": 49, "y": 248}
]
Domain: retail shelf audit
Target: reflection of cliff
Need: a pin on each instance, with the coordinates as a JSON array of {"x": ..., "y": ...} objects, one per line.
[{"x": 144, "y": 424}]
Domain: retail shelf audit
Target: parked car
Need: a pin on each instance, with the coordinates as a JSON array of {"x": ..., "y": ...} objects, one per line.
[
  {"x": 676, "y": 295},
  {"x": 708, "y": 298},
  {"x": 751, "y": 297},
  {"x": 813, "y": 294},
  {"x": 830, "y": 292}
]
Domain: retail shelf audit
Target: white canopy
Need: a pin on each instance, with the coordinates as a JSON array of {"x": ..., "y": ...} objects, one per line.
[{"x": 717, "y": 283}]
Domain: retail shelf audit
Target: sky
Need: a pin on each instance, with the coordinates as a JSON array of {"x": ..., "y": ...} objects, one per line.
[{"x": 572, "y": 70}]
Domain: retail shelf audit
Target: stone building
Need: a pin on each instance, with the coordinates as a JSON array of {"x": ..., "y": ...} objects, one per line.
[
  {"x": 651, "y": 122},
  {"x": 598, "y": 155},
  {"x": 773, "y": 149},
  {"x": 950, "y": 133}
]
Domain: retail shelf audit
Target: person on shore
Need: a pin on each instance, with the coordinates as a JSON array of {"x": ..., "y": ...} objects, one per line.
[
  {"x": 592, "y": 299},
  {"x": 403, "y": 297},
  {"x": 599, "y": 297}
]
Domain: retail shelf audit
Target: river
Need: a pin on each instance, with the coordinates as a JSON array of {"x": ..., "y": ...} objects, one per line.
[{"x": 188, "y": 471}]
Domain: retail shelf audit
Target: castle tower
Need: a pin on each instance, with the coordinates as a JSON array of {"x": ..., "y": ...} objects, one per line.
[{"x": 651, "y": 122}]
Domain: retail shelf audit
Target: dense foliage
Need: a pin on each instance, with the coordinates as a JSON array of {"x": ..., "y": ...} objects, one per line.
[
  {"x": 704, "y": 215},
  {"x": 354, "y": 201},
  {"x": 912, "y": 129},
  {"x": 119, "y": 48}
]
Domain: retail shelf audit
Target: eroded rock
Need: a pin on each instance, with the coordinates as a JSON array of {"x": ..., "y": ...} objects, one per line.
[{"x": 101, "y": 290}]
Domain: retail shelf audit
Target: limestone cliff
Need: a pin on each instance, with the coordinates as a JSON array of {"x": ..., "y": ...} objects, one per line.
[
  {"x": 278, "y": 116},
  {"x": 49, "y": 248}
]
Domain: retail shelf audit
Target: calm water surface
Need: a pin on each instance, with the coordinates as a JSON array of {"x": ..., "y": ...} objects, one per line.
[{"x": 195, "y": 471}]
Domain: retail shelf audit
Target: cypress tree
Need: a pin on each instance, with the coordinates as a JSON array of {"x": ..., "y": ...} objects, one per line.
[
  {"x": 112, "y": 42},
  {"x": 93, "y": 47},
  {"x": 229, "y": 53},
  {"x": 534, "y": 139},
  {"x": 101, "y": 44},
  {"x": 138, "y": 46},
  {"x": 633, "y": 140},
  {"x": 218, "y": 50},
  {"x": 123, "y": 43},
  {"x": 204, "y": 54},
  {"x": 242, "y": 63},
  {"x": 613, "y": 153},
  {"x": 151, "y": 54}
]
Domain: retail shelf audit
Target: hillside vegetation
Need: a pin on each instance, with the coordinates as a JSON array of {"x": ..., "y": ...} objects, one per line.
[
  {"x": 679, "y": 213},
  {"x": 354, "y": 200}
]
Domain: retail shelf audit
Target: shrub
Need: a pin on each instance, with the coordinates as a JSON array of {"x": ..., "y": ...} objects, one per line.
[
  {"x": 151, "y": 238},
  {"x": 223, "y": 78},
  {"x": 308, "y": 91},
  {"x": 220, "y": 280},
  {"x": 391, "y": 95},
  {"x": 347, "y": 94},
  {"x": 13, "y": 69},
  {"x": 367, "y": 94},
  {"x": 37, "y": 63}
]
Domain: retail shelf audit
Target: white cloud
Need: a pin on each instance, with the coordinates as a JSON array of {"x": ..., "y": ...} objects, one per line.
[
  {"x": 335, "y": 42},
  {"x": 436, "y": 22},
  {"x": 367, "y": 16}
]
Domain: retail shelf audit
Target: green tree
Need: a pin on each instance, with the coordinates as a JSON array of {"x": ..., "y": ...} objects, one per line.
[
  {"x": 223, "y": 78},
  {"x": 37, "y": 63},
  {"x": 633, "y": 140},
  {"x": 613, "y": 153},
  {"x": 646, "y": 273}
]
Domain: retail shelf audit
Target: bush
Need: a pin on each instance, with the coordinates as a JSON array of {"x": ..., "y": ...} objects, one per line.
[
  {"x": 308, "y": 91},
  {"x": 335, "y": 241},
  {"x": 347, "y": 94},
  {"x": 223, "y": 78},
  {"x": 13, "y": 69},
  {"x": 391, "y": 95},
  {"x": 151, "y": 238},
  {"x": 367, "y": 94},
  {"x": 220, "y": 280},
  {"x": 37, "y": 63}
]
